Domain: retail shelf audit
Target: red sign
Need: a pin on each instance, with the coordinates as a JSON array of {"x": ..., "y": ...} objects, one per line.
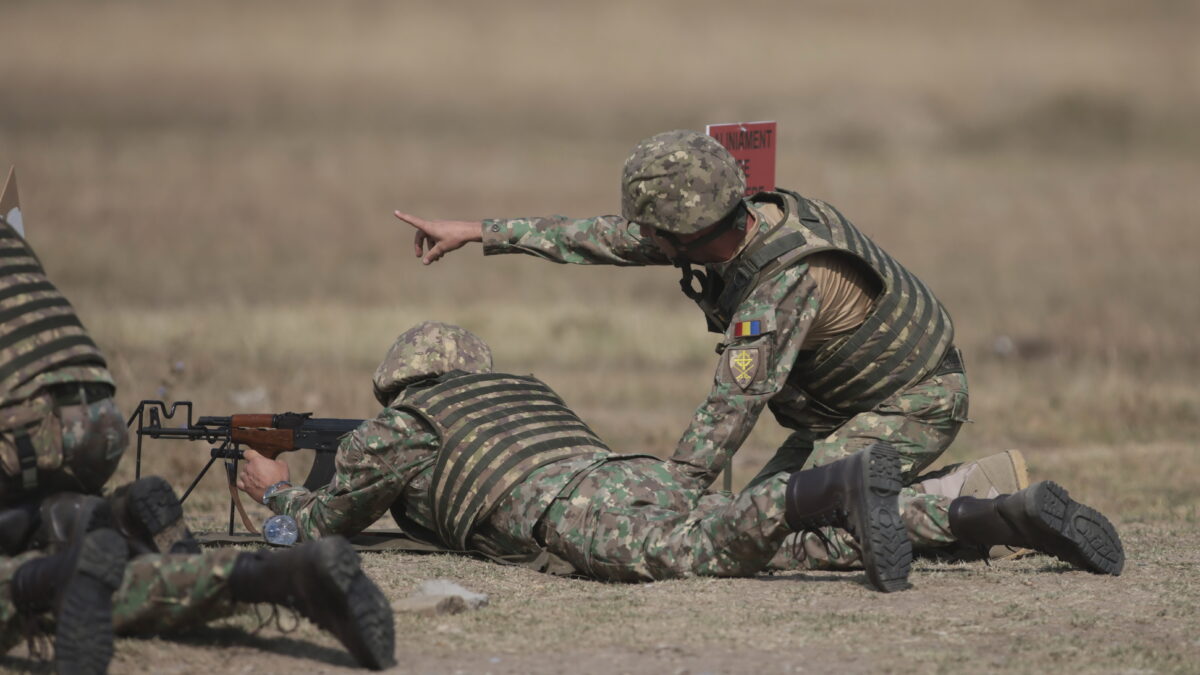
[{"x": 752, "y": 144}]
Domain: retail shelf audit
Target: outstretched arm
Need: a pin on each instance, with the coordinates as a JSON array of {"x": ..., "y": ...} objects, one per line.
[{"x": 603, "y": 240}]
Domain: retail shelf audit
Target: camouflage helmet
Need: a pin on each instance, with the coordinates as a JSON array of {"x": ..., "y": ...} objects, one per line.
[
  {"x": 680, "y": 181},
  {"x": 428, "y": 350}
]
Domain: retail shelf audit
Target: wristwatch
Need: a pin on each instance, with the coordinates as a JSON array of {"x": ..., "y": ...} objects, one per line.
[{"x": 283, "y": 484}]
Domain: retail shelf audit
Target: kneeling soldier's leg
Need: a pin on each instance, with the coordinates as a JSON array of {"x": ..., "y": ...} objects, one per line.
[{"x": 612, "y": 526}]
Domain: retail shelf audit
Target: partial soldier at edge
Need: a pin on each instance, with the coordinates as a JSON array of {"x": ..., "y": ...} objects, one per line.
[{"x": 89, "y": 566}]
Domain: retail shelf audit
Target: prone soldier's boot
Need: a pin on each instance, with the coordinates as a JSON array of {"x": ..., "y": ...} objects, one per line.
[
  {"x": 17, "y": 524},
  {"x": 1042, "y": 517},
  {"x": 322, "y": 580},
  {"x": 77, "y": 586},
  {"x": 859, "y": 494},
  {"x": 150, "y": 516},
  {"x": 64, "y": 517}
]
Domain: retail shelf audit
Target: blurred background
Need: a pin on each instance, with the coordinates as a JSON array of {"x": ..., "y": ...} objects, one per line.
[{"x": 212, "y": 185}]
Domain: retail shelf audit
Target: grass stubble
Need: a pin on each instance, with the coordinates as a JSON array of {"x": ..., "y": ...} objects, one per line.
[{"x": 212, "y": 188}]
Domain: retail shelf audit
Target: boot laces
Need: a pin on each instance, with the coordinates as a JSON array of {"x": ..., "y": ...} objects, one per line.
[
  {"x": 813, "y": 526},
  {"x": 37, "y": 633},
  {"x": 275, "y": 616}
]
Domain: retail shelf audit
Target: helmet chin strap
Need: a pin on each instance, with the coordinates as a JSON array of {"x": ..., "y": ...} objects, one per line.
[{"x": 735, "y": 218}]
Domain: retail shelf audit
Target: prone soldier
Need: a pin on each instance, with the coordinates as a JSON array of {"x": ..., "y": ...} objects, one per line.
[
  {"x": 843, "y": 344},
  {"x": 468, "y": 459}
]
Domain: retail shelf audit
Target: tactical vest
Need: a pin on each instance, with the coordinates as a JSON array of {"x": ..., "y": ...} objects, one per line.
[
  {"x": 903, "y": 338},
  {"x": 495, "y": 430},
  {"x": 39, "y": 331}
]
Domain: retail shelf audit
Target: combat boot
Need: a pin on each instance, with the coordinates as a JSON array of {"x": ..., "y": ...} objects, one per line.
[
  {"x": 77, "y": 586},
  {"x": 64, "y": 517},
  {"x": 17, "y": 524},
  {"x": 858, "y": 494},
  {"x": 999, "y": 474},
  {"x": 149, "y": 515},
  {"x": 322, "y": 580},
  {"x": 1042, "y": 517}
]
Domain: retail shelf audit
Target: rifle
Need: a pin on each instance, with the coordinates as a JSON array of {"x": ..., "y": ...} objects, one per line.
[{"x": 269, "y": 434}]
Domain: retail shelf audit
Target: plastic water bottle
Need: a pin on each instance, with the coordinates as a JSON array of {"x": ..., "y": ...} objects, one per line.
[{"x": 281, "y": 530}]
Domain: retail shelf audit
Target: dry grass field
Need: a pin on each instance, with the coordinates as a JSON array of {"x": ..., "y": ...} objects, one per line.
[{"x": 212, "y": 183}]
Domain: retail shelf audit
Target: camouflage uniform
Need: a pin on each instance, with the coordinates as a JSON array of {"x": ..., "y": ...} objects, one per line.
[
  {"x": 159, "y": 593},
  {"x": 914, "y": 397},
  {"x": 60, "y": 430},
  {"x": 608, "y": 516}
]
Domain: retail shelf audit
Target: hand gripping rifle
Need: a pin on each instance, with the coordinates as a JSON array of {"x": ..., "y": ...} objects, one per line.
[{"x": 268, "y": 434}]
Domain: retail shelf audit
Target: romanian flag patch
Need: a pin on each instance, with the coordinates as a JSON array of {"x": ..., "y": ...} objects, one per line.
[{"x": 747, "y": 328}]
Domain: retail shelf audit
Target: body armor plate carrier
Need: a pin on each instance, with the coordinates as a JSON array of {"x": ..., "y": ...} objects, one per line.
[
  {"x": 39, "y": 331},
  {"x": 902, "y": 340},
  {"x": 495, "y": 430}
]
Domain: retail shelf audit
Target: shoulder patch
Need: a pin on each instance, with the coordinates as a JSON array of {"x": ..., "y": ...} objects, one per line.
[{"x": 743, "y": 366}]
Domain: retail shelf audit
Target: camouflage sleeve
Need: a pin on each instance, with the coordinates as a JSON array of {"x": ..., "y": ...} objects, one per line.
[
  {"x": 758, "y": 351},
  {"x": 604, "y": 240},
  {"x": 373, "y": 467}
]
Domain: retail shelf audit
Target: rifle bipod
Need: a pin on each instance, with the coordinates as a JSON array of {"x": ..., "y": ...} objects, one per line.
[{"x": 268, "y": 434}]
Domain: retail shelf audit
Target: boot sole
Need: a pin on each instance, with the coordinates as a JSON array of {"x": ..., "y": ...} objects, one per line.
[
  {"x": 886, "y": 548},
  {"x": 1079, "y": 534},
  {"x": 151, "y": 502},
  {"x": 370, "y": 635},
  {"x": 83, "y": 641}
]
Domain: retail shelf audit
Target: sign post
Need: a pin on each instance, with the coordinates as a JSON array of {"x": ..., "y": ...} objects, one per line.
[{"x": 752, "y": 144}]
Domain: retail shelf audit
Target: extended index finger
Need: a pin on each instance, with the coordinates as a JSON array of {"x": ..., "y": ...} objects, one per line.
[{"x": 416, "y": 222}]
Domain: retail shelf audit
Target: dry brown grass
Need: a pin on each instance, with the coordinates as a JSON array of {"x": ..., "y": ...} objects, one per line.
[{"x": 211, "y": 185}]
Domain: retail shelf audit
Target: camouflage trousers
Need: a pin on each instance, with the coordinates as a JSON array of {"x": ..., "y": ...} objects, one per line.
[
  {"x": 629, "y": 519},
  {"x": 159, "y": 593},
  {"x": 920, "y": 423}
]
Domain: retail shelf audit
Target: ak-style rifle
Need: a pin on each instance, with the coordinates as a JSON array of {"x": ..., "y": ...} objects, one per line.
[{"x": 269, "y": 434}]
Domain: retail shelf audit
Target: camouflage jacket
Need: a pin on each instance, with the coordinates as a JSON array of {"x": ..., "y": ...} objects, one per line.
[
  {"x": 758, "y": 348},
  {"x": 389, "y": 463},
  {"x": 373, "y": 467}
]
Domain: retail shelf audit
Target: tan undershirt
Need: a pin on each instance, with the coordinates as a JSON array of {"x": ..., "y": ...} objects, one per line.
[{"x": 847, "y": 287}]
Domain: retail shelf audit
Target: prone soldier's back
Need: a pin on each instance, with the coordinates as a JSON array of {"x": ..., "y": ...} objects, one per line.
[{"x": 59, "y": 427}]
